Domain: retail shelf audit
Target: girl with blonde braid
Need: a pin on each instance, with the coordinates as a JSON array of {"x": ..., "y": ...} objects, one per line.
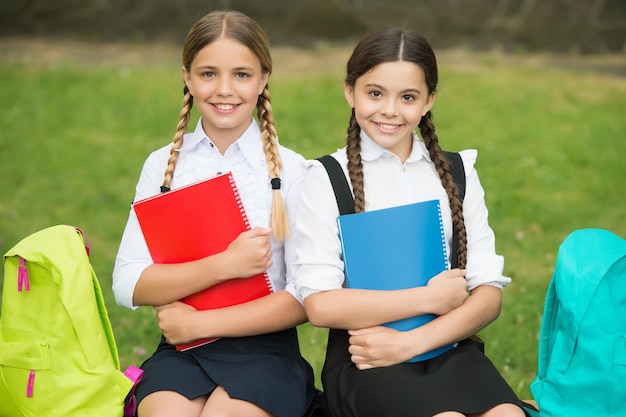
[
  {"x": 390, "y": 86},
  {"x": 255, "y": 368}
]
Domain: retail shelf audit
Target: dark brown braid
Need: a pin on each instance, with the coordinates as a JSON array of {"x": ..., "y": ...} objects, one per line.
[
  {"x": 427, "y": 131},
  {"x": 355, "y": 164},
  {"x": 181, "y": 128}
]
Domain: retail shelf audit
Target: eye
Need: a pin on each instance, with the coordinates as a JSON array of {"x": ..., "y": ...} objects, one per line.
[
  {"x": 208, "y": 74},
  {"x": 242, "y": 75},
  {"x": 375, "y": 93},
  {"x": 408, "y": 97}
]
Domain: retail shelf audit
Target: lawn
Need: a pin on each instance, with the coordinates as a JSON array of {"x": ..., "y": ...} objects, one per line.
[{"x": 551, "y": 140}]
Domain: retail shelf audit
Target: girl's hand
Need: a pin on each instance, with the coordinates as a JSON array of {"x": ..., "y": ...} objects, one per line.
[
  {"x": 176, "y": 321},
  {"x": 448, "y": 291},
  {"x": 250, "y": 253},
  {"x": 376, "y": 347}
]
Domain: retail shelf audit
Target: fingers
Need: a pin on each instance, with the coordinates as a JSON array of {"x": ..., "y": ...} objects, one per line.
[
  {"x": 361, "y": 353},
  {"x": 250, "y": 253},
  {"x": 357, "y": 356}
]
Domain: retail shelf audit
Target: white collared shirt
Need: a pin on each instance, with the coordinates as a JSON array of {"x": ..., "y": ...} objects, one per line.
[
  {"x": 200, "y": 159},
  {"x": 387, "y": 183}
]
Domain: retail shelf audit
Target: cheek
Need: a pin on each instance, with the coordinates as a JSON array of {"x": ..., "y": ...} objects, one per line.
[{"x": 364, "y": 108}]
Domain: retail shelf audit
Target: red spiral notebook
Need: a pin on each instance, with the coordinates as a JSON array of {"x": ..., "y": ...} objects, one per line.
[{"x": 195, "y": 221}]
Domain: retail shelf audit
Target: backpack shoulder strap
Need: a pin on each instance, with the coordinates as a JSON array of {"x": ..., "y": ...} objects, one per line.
[
  {"x": 458, "y": 171},
  {"x": 458, "y": 176},
  {"x": 343, "y": 194}
]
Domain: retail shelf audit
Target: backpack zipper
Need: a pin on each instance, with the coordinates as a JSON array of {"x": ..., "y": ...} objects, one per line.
[
  {"x": 22, "y": 275},
  {"x": 31, "y": 383}
]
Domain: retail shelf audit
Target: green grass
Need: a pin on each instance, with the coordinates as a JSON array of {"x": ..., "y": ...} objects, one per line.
[{"x": 551, "y": 145}]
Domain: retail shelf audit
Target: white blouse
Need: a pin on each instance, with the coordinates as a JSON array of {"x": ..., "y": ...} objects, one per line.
[
  {"x": 200, "y": 159},
  {"x": 388, "y": 182}
]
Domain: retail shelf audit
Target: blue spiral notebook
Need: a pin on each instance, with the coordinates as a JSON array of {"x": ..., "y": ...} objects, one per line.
[{"x": 395, "y": 248}]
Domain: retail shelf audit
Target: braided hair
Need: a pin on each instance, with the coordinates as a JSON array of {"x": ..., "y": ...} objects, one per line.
[
  {"x": 389, "y": 45},
  {"x": 238, "y": 26}
]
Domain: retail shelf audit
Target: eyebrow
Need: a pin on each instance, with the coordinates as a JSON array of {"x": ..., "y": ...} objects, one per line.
[
  {"x": 213, "y": 67},
  {"x": 408, "y": 90}
]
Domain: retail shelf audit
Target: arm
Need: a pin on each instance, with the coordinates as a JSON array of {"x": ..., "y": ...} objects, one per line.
[
  {"x": 347, "y": 308},
  {"x": 380, "y": 346},
  {"x": 319, "y": 271},
  {"x": 247, "y": 255},
  {"x": 278, "y": 311}
]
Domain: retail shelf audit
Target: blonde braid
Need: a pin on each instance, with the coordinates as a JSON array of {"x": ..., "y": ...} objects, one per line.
[
  {"x": 355, "y": 164},
  {"x": 280, "y": 223},
  {"x": 181, "y": 128},
  {"x": 427, "y": 130}
]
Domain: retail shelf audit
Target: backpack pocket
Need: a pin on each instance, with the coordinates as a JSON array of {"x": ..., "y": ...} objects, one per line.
[{"x": 25, "y": 386}]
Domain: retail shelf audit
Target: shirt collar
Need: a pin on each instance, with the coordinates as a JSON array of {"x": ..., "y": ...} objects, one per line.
[
  {"x": 249, "y": 143},
  {"x": 370, "y": 150}
]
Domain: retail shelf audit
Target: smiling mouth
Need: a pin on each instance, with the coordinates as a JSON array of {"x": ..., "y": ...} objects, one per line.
[
  {"x": 387, "y": 126},
  {"x": 225, "y": 107}
]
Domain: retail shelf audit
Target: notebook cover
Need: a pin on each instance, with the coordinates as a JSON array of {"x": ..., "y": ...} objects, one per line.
[
  {"x": 395, "y": 248},
  {"x": 195, "y": 221}
]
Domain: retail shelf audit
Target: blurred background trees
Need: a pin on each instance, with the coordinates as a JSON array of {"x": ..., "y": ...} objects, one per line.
[{"x": 578, "y": 26}]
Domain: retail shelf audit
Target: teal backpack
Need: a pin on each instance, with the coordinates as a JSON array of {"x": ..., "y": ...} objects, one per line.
[
  {"x": 58, "y": 357},
  {"x": 582, "y": 345}
]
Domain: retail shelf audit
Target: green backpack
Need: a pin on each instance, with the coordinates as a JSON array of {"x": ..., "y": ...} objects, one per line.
[
  {"x": 58, "y": 357},
  {"x": 582, "y": 344}
]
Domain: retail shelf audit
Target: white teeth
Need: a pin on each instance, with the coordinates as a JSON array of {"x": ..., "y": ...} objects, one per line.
[
  {"x": 225, "y": 106},
  {"x": 388, "y": 127}
]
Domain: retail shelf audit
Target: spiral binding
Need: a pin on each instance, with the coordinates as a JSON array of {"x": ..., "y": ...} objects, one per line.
[
  {"x": 443, "y": 235},
  {"x": 242, "y": 210},
  {"x": 246, "y": 221}
]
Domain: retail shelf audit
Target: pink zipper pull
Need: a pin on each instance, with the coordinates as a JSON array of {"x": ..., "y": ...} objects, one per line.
[
  {"x": 22, "y": 275},
  {"x": 31, "y": 383}
]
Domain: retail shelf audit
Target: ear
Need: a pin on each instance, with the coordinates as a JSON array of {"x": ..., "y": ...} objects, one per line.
[
  {"x": 429, "y": 104},
  {"x": 349, "y": 94},
  {"x": 264, "y": 78},
  {"x": 187, "y": 79}
]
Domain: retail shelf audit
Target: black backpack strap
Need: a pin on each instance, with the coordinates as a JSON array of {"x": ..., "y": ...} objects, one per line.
[
  {"x": 458, "y": 171},
  {"x": 458, "y": 175},
  {"x": 343, "y": 194}
]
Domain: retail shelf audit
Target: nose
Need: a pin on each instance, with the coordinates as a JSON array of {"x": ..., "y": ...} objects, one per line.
[
  {"x": 389, "y": 107},
  {"x": 224, "y": 86}
]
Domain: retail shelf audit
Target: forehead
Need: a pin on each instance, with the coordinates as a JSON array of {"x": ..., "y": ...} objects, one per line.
[
  {"x": 395, "y": 75},
  {"x": 226, "y": 53}
]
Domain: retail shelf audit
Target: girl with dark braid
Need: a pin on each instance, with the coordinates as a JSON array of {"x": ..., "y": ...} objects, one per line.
[
  {"x": 390, "y": 85},
  {"x": 255, "y": 369}
]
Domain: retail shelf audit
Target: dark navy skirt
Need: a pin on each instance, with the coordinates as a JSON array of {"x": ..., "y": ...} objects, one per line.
[
  {"x": 266, "y": 370},
  {"x": 462, "y": 379}
]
